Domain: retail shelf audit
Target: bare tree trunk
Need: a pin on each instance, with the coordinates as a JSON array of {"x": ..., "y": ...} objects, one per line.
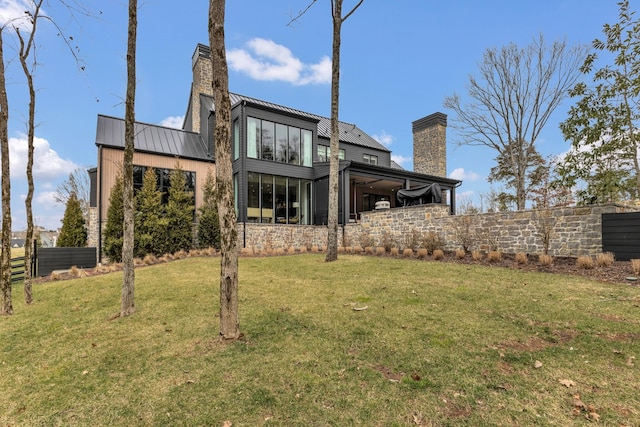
[
  {"x": 229, "y": 325},
  {"x": 6, "y": 306},
  {"x": 128, "y": 277},
  {"x": 334, "y": 164},
  {"x": 25, "y": 51}
]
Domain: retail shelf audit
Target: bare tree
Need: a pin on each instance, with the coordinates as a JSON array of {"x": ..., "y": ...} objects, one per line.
[
  {"x": 77, "y": 183},
  {"x": 334, "y": 164},
  {"x": 229, "y": 324},
  {"x": 6, "y": 306},
  {"x": 332, "y": 220},
  {"x": 24, "y": 53},
  {"x": 128, "y": 274},
  {"x": 512, "y": 100}
]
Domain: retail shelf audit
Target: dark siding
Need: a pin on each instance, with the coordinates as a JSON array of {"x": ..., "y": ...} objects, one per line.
[
  {"x": 621, "y": 235},
  {"x": 355, "y": 152},
  {"x": 51, "y": 259}
]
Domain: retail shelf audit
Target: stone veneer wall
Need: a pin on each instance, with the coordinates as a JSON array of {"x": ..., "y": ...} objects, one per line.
[
  {"x": 92, "y": 228},
  {"x": 574, "y": 231}
]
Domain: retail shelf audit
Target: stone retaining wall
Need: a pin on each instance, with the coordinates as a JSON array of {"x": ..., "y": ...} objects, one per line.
[{"x": 570, "y": 231}]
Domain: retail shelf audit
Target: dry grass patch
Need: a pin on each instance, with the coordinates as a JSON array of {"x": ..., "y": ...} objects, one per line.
[
  {"x": 150, "y": 259},
  {"x": 422, "y": 253},
  {"x": 357, "y": 249},
  {"x": 314, "y": 249},
  {"x": 585, "y": 262},
  {"x": 380, "y": 251},
  {"x": 494, "y": 256},
  {"x": 303, "y": 249},
  {"x": 407, "y": 253},
  {"x": 477, "y": 255},
  {"x": 635, "y": 265},
  {"x": 438, "y": 254},
  {"x": 545, "y": 259},
  {"x": 605, "y": 259},
  {"x": 521, "y": 258},
  {"x": 368, "y": 250},
  {"x": 394, "y": 252}
]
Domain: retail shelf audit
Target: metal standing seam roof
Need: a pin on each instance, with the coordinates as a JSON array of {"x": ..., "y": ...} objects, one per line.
[
  {"x": 152, "y": 139},
  {"x": 349, "y": 133}
]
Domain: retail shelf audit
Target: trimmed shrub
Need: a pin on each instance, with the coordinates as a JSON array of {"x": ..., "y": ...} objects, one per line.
[
  {"x": 476, "y": 255},
  {"x": 605, "y": 259},
  {"x": 585, "y": 262},
  {"x": 438, "y": 254},
  {"x": 521, "y": 258},
  {"x": 494, "y": 256},
  {"x": 635, "y": 265},
  {"x": 545, "y": 259},
  {"x": 432, "y": 241},
  {"x": 460, "y": 253}
]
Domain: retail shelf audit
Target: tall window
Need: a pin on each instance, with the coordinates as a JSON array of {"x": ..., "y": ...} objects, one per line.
[
  {"x": 236, "y": 139},
  {"x": 277, "y": 142},
  {"x": 278, "y": 199}
]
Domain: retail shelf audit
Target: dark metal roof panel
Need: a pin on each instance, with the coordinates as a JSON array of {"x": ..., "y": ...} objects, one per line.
[
  {"x": 152, "y": 139},
  {"x": 349, "y": 133}
]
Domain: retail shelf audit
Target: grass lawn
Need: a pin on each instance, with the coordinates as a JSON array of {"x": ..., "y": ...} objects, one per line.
[{"x": 439, "y": 344}]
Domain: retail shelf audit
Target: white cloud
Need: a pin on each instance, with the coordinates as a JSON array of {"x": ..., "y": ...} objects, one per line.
[
  {"x": 13, "y": 12},
  {"x": 173, "y": 122},
  {"x": 47, "y": 164},
  {"x": 46, "y": 198},
  {"x": 384, "y": 138},
  {"x": 401, "y": 160},
  {"x": 462, "y": 175},
  {"x": 267, "y": 60}
]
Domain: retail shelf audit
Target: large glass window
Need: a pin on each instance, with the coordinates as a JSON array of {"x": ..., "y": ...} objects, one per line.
[
  {"x": 277, "y": 142},
  {"x": 307, "y": 147},
  {"x": 253, "y": 137},
  {"x": 268, "y": 134},
  {"x": 278, "y": 199},
  {"x": 282, "y": 141},
  {"x": 163, "y": 182},
  {"x": 236, "y": 139},
  {"x": 294, "y": 145}
]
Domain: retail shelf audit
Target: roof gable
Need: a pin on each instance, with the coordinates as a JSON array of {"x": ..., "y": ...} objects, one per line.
[
  {"x": 349, "y": 133},
  {"x": 152, "y": 139}
]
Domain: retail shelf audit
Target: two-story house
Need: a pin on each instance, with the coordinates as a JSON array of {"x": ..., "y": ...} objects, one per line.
[{"x": 280, "y": 159}]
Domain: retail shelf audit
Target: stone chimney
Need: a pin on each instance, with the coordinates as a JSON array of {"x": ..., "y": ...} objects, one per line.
[
  {"x": 430, "y": 145},
  {"x": 202, "y": 75}
]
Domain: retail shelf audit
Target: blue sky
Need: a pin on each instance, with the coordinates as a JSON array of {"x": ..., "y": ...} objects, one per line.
[{"x": 399, "y": 61}]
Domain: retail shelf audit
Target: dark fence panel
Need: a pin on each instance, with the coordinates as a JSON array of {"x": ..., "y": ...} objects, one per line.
[
  {"x": 51, "y": 259},
  {"x": 621, "y": 235},
  {"x": 17, "y": 269}
]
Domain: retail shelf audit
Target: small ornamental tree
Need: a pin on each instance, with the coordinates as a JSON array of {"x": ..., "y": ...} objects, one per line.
[
  {"x": 208, "y": 223},
  {"x": 113, "y": 232},
  {"x": 179, "y": 213},
  {"x": 150, "y": 235},
  {"x": 73, "y": 233}
]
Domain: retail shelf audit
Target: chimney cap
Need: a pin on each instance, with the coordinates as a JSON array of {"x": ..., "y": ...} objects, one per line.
[
  {"x": 201, "y": 51},
  {"x": 429, "y": 121}
]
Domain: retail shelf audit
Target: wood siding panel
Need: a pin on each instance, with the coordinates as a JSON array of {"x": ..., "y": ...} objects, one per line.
[{"x": 112, "y": 162}]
